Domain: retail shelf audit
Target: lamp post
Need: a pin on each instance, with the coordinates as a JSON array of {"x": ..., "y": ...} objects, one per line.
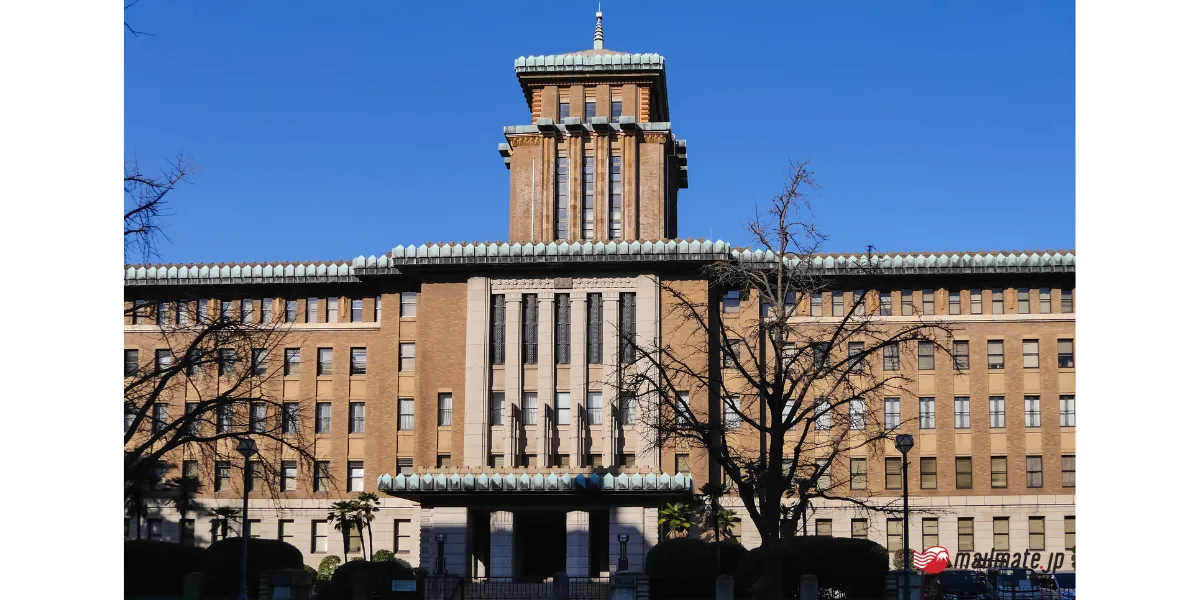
[
  {"x": 439, "y": 563},
  {"x": 623, "y": 559},
  {"x": 247, "y": 448},
  {"x": 904, "y": 443}
]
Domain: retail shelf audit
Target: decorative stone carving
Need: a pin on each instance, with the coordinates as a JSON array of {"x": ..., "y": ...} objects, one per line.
[
  {"x": 654, "y": 138},
  {"x": 577, "y": 283},
  {"x": 525, "y": 140}
]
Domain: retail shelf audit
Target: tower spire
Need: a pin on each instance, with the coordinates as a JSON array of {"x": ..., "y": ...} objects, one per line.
[{"x": 598, "y": 38}]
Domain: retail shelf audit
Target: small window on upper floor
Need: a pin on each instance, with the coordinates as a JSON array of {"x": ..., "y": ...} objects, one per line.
[
  {"x": 615, "y": 108},
  {"x": 731, "y": 301},
  {"x": 589, "y": 109},
  {"x": 1068, "y": 301},
  {"x": 408, "y": 304},
  {"x": 564, "y": 110}
]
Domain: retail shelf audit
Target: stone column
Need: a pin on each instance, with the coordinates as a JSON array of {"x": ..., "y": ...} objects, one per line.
[
  {"x": 647, "y": 322},
  {"x": 611, "y": 356},
  {"x": 577, "y": 543},
  {"x": 501, "y": 552},
  {"x": 579, "y": 374},
  {"x": 514, "y": 370},
  {"x": 476, "y": 444},
  {"x": 546, "y": 372}
]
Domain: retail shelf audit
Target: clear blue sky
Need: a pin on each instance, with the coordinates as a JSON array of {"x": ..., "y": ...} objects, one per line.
[{"x": 329, "y": 130}]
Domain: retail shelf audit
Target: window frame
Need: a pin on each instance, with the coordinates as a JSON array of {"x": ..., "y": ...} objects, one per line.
[
  {"x": 406, "y": 414},
  {"x": 928, "y": 471},
  {"x": 960, "y": 354},
  {"x": 1066, "y": 360},
  {"x": 1034, "y": 478},
  {"x": 445, "y": 405},
  {"x": 995, "y": 360},
  {"x": 859, "y": 474},
  {"x": 1030, "y": 351},
  {"x": 1002, "y": 473},
  {"x": 927, "y": 412},
  {"x": 960, "y": 473},
  {"x": 962, "y": 412}
]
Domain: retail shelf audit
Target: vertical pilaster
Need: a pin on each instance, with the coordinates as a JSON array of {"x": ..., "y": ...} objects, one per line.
[
  {"x": 603, "y": 151},
  {"x": 546, "y": 372},
  {"x": 628, "y": 520},
  {"x": 609, "y": 396},
  {"x": 630, "y": 217},
  {"x": 647, "y": 321},
  {"x": 501, "y": 551},
  {"x": 475, "y": 436},
  {"x": 514, "y": 370},
  {"x": 578, "y": 535},
  {"x": 579, "y": 373}
]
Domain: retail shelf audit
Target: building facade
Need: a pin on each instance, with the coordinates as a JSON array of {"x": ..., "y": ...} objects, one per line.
[{"x": 469, "y": 384}]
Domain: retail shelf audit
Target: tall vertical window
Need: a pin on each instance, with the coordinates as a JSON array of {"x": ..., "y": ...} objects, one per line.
[
  {"x": 529, "y": 324},
  {"x": 595, "y": 320},
  {"x": 595, "y": 414},
  {"x": 408, "y": 357},
  {"x": 628, "y": 341},
  {"x": 564, "y": 107},
  {"x": 227, "y": 310},
  {"x": 895, "y": 535},
  {"x": 977, "y": 302},
  {"x": 996, "y": 411},
  {"x": 247, "y": 310},
  {"x": 529, "y": 408},
  {"x": 823, "y": 414},
  {"x": 730, "y": 414},
  {"x": 258, "y": 417},
  {"x": 1023, "y": 301},
  {"x": 858, "y": 473},
  {"x": 496, "y": 346},
  {"x": 310, "y": 310},
  {"x": 997, "y": 301},
  {"x": 1000, "y": 534},
  {"x": 926, "y": 407},
  {"x": 858, "y": 529},
  {"x": 1068, "y": 301},
  {"x": 732, "y": 355},
  {"x": 189, "y": 411},
  {"x": 615, "y": 108},
  {"x": 816, "y": 304},
  {"x": 824, "y": 477},
  {"x": 258, "y": 480},
  {"x": 408, "y": 304},
  {"x": 291, "y": 361},
  {"x": 1066, "y": 354},
  {"x": 406, "y": 415},
  {"x": 1069, "y": 532},
  {"x": 331, "y": 310},
  {"x": 163, "y": 313},
  {"x": 614, "y": 195},
  {"x": 561, "y": 197},
  {"x": 287, "y": 478},
  {"x": 324, "y": 417},
  {"x": 929, "y": 532},
  {"x": 354, "y": 478},
  {"x": 927, "y": 302},
  {"x": 1066, "y": 410},
  {"x": 183, "y": 312},
  {"x": 854, "y": 351},
  {"x": 1029, "y": 353},
  {"x": 839, "y": 303},
  {"x": 1044, "y": 301},
  {"x": 966, "y": 534},
  {"x": 1033, "y": 471},
  {"x": 960, "y": 351},
  {"x": 999, "y": 471},
  {"x": 995, "y": 354},
  {"x": 683, "y": 404},
  {"x": 356, "y": 310},
  {"x": 925, "y": 356},
  {"x": 562, "y": 408},
  {"x": 358, "y": 361},
  {"x": 291, "y": 311},
  {"x": 162, "y": 360},
  {"x": 358, "y": 417},
  {"x": 226, "y": 359},
  {"x": 954, "y": 302},
  {"x": 445, "y": 409},
  {"x": 928, "y": 473},
  {"x": 562, "y": 329},
  {"x": 860, "y": 307},
  {"x": 266, "y": 310},
  {"x": 885, "y": 303},
  {"x": 962, "y": 473},
  {"x": 378, "y": 309},
  {"x": 1033, "y": 411},
  {"x": 891, "y": 357},
  {"x": 222, "y": 475},
  {"x": 291, "y": 417},
  {"x": 858, "y": 412},
  {"x": 962, "y": 412},
  {"x": 1037, "y": 533},
  {"x": 224, "y": 418},
  {"x": 496, "y": 409},
  {"x": 589, "y": 193},
  {"x": 321, "y": 476},
  {"x": 891, "y": 413},
  {"x": 893, "y": 473},
  {"x": 906, "y": 302},
  {"x": 159, "y": 418},
  {"x": 258, "y": 361},
  {"x": 324, "y": 361},
  {"x": 1068, "y": 470},
  {"x": 625, "y": 409},
  {"x": 589, "y": 109},
  {"x": 202, "y": 310}
]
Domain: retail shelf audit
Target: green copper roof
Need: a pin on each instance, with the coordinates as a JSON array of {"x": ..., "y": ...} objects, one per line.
[{"x": 587, "y": 61}]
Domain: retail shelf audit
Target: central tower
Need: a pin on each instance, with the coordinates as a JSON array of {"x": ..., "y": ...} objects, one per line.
[{"x": 599, "y": 161}]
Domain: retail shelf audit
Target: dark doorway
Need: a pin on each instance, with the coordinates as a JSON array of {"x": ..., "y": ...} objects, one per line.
[
  {"x": 539, "y": 543},
  {"x": 597, "y": 542}
]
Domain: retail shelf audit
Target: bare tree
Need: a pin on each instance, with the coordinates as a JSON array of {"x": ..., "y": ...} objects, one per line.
[
  {"x": 792, "y": 398},
  {"x": 146, "y": 205}
]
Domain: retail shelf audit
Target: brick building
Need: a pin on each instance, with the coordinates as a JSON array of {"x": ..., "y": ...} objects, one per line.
[{"x": 467, "y": 384}]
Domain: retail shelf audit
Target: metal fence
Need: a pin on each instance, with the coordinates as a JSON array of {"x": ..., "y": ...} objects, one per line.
[{"x": 509, "y": 588}]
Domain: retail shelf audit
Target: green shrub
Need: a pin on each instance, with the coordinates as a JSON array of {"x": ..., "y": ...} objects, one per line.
[
  {"x": 383, "y": 556},
  {"x": 856, "y": 568},
  {"x": 222, "y": 562},
  {"x": 381, "y": 573},
  {"x": 688, "y": 567},
  {"x": 329, "y": 564},
  {"x": 311, "y": 572},
  {"x": 153, "y": 567}
]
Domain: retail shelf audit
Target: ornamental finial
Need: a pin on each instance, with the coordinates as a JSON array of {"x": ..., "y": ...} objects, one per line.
[{"x": 598, "y": 38}]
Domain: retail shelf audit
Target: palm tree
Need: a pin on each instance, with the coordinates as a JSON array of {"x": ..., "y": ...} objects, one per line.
[
  {"x": 226, "y": 514},
  {"x": 677, "y": 516},
  {"x": 344, "y": 514},
  {"x": 186, "y": 487},
  {"x": 368, "y": 505},
  {"x": 138, "y": 492}
]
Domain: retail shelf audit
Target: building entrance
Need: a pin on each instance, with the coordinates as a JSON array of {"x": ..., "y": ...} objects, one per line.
[{"x": 539, "y": 543}]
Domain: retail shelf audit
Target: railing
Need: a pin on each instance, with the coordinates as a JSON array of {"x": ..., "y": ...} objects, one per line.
[{"x": 512, "y": 588}]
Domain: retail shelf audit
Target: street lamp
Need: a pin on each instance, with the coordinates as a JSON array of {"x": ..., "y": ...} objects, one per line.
[
  {"x": 623, "y": 560},
  {"x": 439, "y": 564},
  {"x": 904, "y": 443},
  {"x": 247, "y": 448}
]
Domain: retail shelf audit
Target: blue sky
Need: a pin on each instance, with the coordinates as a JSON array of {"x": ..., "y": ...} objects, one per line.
[{"x": 325, "y": 131}]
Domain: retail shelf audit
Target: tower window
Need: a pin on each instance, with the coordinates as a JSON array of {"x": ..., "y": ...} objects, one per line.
[
  {"x": 564, "y": 110},
  {"x": 614, "y": 197},
  {"x": 615, "y": 108},
  {"x": 560, "y": 201},
  {"x": 589, "y": 195},
  {"x": 589, "y": 109}
]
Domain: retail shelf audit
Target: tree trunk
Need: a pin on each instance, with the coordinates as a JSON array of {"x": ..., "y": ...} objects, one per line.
[
  {"x": 138, "y": 523},
  {"x": 361, "y": 545},
  {"x": 770, "y": 575},
  {"x": 345, "y": 543},
  {"x": 370, "y": 539}
]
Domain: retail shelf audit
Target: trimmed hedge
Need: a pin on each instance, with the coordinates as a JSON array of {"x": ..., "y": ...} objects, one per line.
[
  {"x": 856, "y": 568},
  {"x": 154, "y": 567},
  {"x": 222, "y": 563},
  {"x": 329, "y": 564},
  {"x": 381, "y": 573},
  {"x": 688, "y": 567},
  {"x": 383, "y": 556}
]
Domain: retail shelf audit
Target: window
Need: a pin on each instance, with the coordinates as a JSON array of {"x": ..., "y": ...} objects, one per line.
[
  {"x": 820, "y": 355},
  {"x": 625, "y": 410},
  {"x": 731, "y": 417},
  {"x": 291, "y": 417},
  {"x": 562, "y": 408},
  {"x": 562, "y": 329},
  {"x": 855, "y": 349},
  {"x": 996, "y": 411},
  {"x": 614, "y": 194},
  {"x": 962, "y": 412},
  {"x": 291, "y": 361},
  {"x": 191, "y": 468},
  {"x": 891, "y": 413},
  {"x": 594, "y": 460},
  {"x": 358, "y": 417},
  {"x": 1068, "y": 470},
  {"x": 496, "y": 409},
  {"x": 321, "y": 476},
  {"x": 247, "y": 310},
  {"x": 825, "y": 478},
  {"x": 860, "y": 308},
  {"x": 683, "y": 463},
  {"x": 287, "y": 480},
  {"x": 1069, "y": 533},
  {"x": 320, "y": 536},
  {"x": 497, "y": 316},
  {"x": 222, "y": 475},
  {"x": 814, "y": 304},
  {"x": 929, "y": 532},
  {"x": 162, "y": 313},
  {"x": 1033, "y": 411},
  {"x": 258, "y": 361},
  {"x": 1033, "y": 471},
  {"x": 893, "y": 474},
  {"x": 408, "y": 304},
  {"x": 404, "y": 466},
  {"x": 928, "y": 473},
  {"x": 162, "y": 360},
  {"x": 324, "y": 361},
  {"x": 858, "y": 414},
  {"x": 1029, "y": 352},
  {"x": 824, "y": 415},
  {"x": 960, "y": 351},
  {"x": 227, "y": 310},
  {"x": 310, "y": 311},
  {"x": 1044, "y": 301},
  {"x": 1066, "y": 354},
  {"x": 562, "y": 184},
  {"x": 731, "y": 302},
  {"x": 589, "y": 109},
  {"x": 358, "y": 361},
  {"x": 224, "y": 418},
  {"x": 595, "y": 319},
  {"x": 402, "y": 536},
  {"x": 977, "y": 302},
  {"x": 732, "y": 355},
  {"x": 926, "y": 406},
  {"x": 158, "y": 422},
  {"x": 356, "y": 307},
  {"x": 529, "y": 408},
  {"x": 202, "y": 310},
  {"x": 291, "y": 311},
  {"x": 443, "y": 461},
  {"x": 683, "y": 407},
  {"x": 355, "y": 479},
  {"x": 858, "y": 473},
  {"x": 966, "y": 534},
  {"x": 379, "y": 309},
  {"x": 589, "y": 190},
  {"x": 594, "y": 412},
  {"x": 194, "y": 359},
  {"x": 445, "y": 409},
  {"x": 999, "y": 471},
  {"x": 408, "y": 357},
  {"x": 331, "y": 310},
  {"x": 258, "y": 417},
  {"x": 997, "y": 301},
  {"x": 962, "y": 473},
  {"x": 906, "y": 302},
  {"x": 927, "y": 302},
  {"x": 885, "y": 304},
  {"x": 183, "y": 311},
  {"x": 1023, "y": 301},
  {"x": 858, "y": 529},
  {"x": 564, "y": 109},
  {"x": 626, "y": 461},
  {"x": 954, "y": 302},
  {"x": 615, "y": 108},
  {"x": 1066, "y": 410},
  {"x": 287, "y": 531},
  {"x": 995, "y": 350},
  {"x": 1037, "y": 533},
  {"x": 324, "y": 417},
  {"x": 895, "y": 534},
  {"x": 839, "y": 301},
  {"x": 1000, "y": 533},
  {"x": 891, "y": 357},
  {"x": 925, "y": 356},
  {"x": 258, "y": 476},
  {"x": 154, "y": 529},
  {"x": 825, "y": 527},
  {"x": 529, "y": 322},
  {"x": 628, "y": 339},
  {"x": 187, "y": 532},
  {"x": 1068, "y": 301},
  {"x": 528, "y": 461},
  {"x": 131, "y": 363}
]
